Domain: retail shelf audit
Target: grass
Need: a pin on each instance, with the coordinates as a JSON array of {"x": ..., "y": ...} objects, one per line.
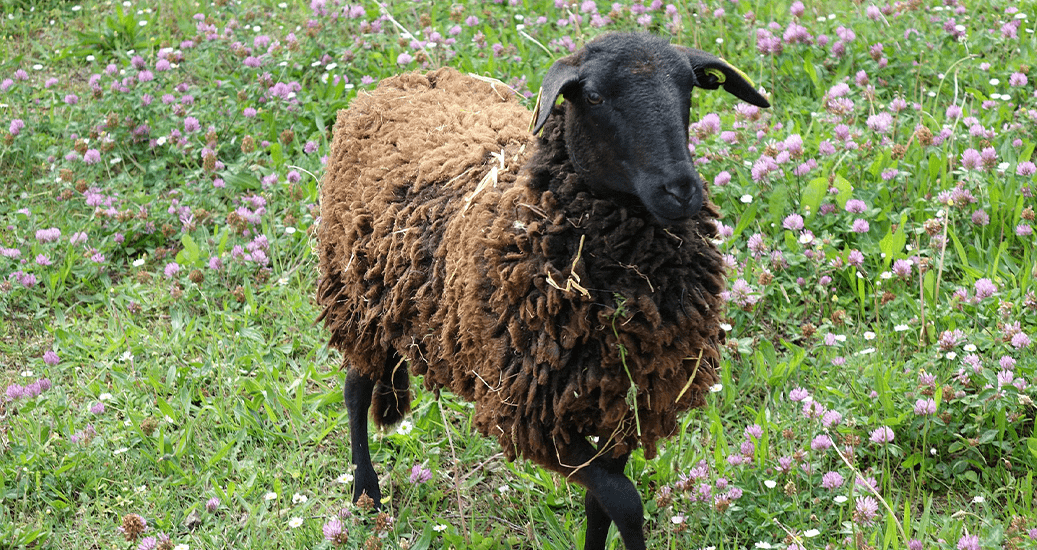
[{"x": 159, "y": 170}]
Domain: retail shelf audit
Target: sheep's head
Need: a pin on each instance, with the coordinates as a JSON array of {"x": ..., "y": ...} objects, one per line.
[{"x": 628, "y": 99}]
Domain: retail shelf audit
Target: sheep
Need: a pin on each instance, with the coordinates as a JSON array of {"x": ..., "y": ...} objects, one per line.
[{"x": 566, "y": 284}]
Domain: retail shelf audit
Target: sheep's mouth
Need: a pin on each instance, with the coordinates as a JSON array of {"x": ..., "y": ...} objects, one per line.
[
  {"x": 667, "y": 218},
  {"x": 665, "y": 212}
]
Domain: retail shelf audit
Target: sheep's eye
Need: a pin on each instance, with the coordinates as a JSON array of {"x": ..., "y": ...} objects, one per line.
[{"x": 594, "y": 98}]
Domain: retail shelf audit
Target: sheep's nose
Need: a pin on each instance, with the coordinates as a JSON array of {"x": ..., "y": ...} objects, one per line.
[
  {"x": 681, "y": 189},
  {"x": 686, "y": 189}
]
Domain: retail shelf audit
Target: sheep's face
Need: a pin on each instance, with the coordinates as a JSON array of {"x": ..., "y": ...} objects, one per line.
[{"x": 628, "y": 99}]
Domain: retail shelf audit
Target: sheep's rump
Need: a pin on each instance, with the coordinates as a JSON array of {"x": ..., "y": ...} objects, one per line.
[{"x": 553, "y": 310}]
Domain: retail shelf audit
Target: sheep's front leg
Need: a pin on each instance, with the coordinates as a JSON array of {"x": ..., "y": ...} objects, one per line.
[
  {"x": 357, "y": 393},
  {"x": 611, "y": 498},
  {"x": 598, "y": 523}
]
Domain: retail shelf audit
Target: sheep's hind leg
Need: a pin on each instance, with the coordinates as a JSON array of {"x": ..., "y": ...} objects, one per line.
[
  {"x": 611, "y": 498},
  {"x": 357, "y": 393}
]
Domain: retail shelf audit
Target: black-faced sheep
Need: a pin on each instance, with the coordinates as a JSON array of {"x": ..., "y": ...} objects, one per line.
[{"x": 567, "y": 284}]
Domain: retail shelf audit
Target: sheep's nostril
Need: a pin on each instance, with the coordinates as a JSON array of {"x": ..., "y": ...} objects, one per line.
[
  {"x": 682, "y": 195},
  {"x": 682, "y": 188}
]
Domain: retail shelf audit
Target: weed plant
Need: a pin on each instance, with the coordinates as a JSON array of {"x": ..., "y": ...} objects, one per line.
[{"x": 164, "y": 385}]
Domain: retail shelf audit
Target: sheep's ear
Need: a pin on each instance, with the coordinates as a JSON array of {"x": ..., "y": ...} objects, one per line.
[
  {"x": 562, "y": 73},
  {"x": 713, "y": 72}
]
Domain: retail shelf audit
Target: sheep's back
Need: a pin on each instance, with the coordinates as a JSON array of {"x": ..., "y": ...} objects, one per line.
[{"x": 405, "y": 161}]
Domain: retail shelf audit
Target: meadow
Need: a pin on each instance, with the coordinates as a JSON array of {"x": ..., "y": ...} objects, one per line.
[{"x": 165, "y": 386}]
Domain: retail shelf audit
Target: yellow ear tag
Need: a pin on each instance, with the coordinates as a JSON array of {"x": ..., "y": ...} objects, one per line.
[
  {"x": 720, "y": 76},
  {"x": 740, "y": 73},
  {"x": 536, "y": 109}
]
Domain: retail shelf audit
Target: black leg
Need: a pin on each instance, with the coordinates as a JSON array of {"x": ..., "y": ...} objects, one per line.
[
  {"x": 611, "y": 498},
  {"x": 357, "y": 393},
  {"x": 391, "y": 401},
  {"x": 598, "y": 523}
]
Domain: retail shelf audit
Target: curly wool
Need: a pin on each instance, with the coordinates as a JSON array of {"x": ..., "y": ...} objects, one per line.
[{"x": 550, "y": 308}]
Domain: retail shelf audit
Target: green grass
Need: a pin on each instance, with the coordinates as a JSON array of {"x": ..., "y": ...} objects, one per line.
[{"x": 216, "y": 383}]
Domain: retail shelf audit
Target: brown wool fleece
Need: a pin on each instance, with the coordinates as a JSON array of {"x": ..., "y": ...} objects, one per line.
[{"x": 476, "y": 286}]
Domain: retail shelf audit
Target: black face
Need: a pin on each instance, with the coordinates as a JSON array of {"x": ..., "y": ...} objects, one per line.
[
  {"x": 628, "y": 98},
  {"x": 627, "y": 130}
]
